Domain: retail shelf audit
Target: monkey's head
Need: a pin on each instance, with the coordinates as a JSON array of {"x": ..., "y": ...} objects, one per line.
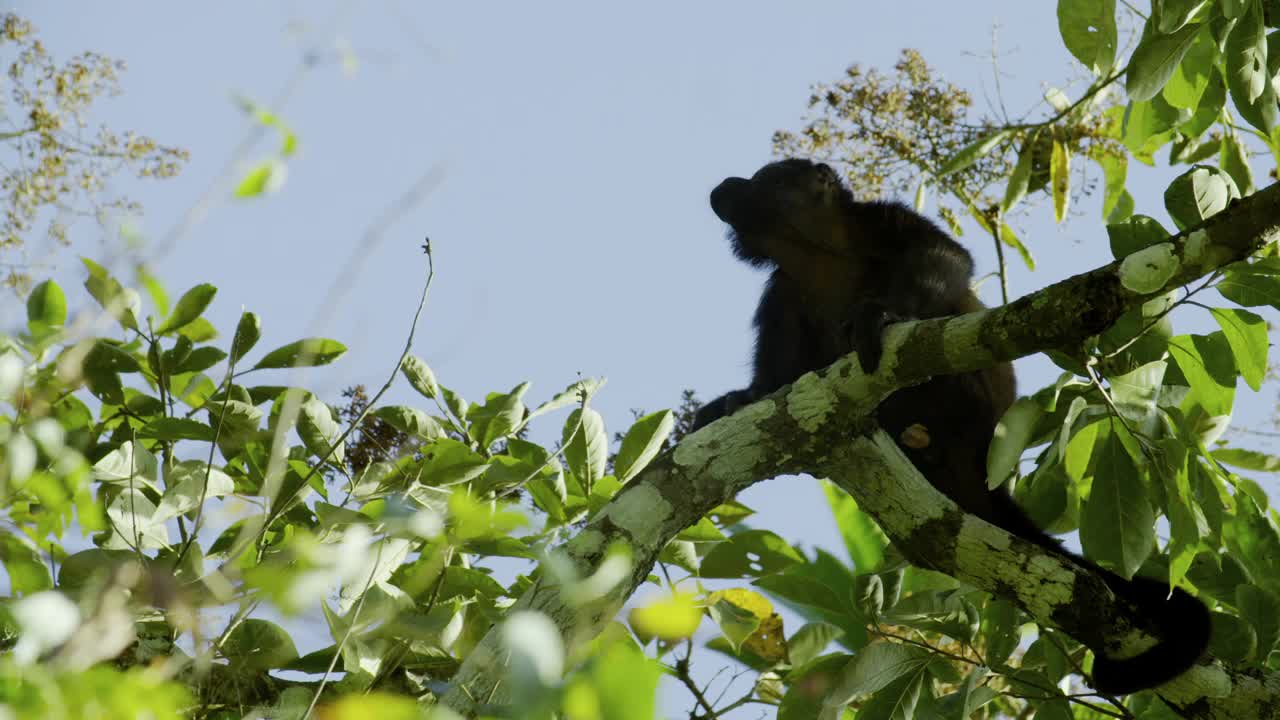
[{"x": 788, "y": 203}]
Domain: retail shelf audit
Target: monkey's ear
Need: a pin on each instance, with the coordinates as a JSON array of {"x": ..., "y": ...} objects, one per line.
[{"x": 731, "y": 199}]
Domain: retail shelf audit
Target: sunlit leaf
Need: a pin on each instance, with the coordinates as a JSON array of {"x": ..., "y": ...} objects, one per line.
[
  {"x": 642, "y": 443},
  {"x": 1117, "y": 522},
  {"x": 1247, "y": 335},
  {"x": 1155, "y": 59},
  {"x": 970, "y": 153},
  {"x": 266, "y": 177},
  {"x": 672, "y": 617},
  {"x": 190, "y": 306},
  {"x": 1088, "y": 29},
  {"x": 303, "y": 353}
]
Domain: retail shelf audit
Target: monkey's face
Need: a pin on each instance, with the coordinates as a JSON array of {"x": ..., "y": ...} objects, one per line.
[{"x": 785, "y": 203}]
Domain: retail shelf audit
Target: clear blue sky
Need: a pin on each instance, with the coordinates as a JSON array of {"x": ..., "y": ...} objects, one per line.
[{"x": 577, "y": 141}]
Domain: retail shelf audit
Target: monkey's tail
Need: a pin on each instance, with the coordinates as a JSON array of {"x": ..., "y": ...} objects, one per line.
[
  {"x": 1180, "y": 620},
  {"x": 1182, "y": 623}
]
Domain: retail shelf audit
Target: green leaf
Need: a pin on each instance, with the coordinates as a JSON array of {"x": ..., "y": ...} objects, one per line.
[
  {"x": 1012, "y": 435},
  {"x": 198, "y": 331},
  {"x": 863, "y": 539},
  {"x": 1138, "y": 232},
  {"x": 906, "y": 697},
  {"x": 1252, "y": 540},
  {"x": 1060, "y": 179},
  {"x": 1198, "y": 194},
  {"x": 199, "y": 359},
  {"x": 129, "y": 515},
  {"x": 579, "y": 392},
  {"x": 1191, "y": 77},
  {"x": 111, "y": 356},
  {"x": 1247, "y": 335},
  {"x": 1261, "y": 609},
  {"x": 27, "y": 571},
  {"x": 191, "y": 482},
  {"x": 1155, "y": 59},
  {"x": 159, "y": 297},
  {"x": 1001, "y": 625},
  {"x": 500, "y": 415},
  {"x": 1043, "y": 496},
  {"x": 1172, "y": 15},
  {"x": 257, "y": 645},
  {"x": 585, "y": 445},
  {"x": 1232, "y": 9},
  {"x": 1209, "y": 107},
  {"x": 1231, "y": 638},
  {"x": 1136, "y": 394},
  {"x": 1247, "y": 459},
  {"x": 749, "y": 554},
  {"x": 447, "y": 462},
  {"x": 1148, "y": 126},
  {"x": 1115, "y": 168},
  {"x": 1252, "y": 284},
  {"x": 419, "y": 375},
  {"x": 801, "y": 702},
  {"x": 1186, "y": 527},
  {"x": 942, "y": 611},
  {"x": 1246, "y": 56},
  {"x": 1009, "y": 238},
  {"x": 239, "y": 420},
  {"x": 642, "y": 443},
  {"x": 1117, "y": 522},
  {"x": 875, "y": 667},
  {"x": 264, "y": 115},
  {"x": 267, "y": 176},
  {"x": 1208, "y": 364},
  {"x": 320, "y": 431},
  {"x": 193, "y": 389},
  {"x": 131, "y": 462},
  {"x": 970, "y": 153},
  {"x": 1234, "y": 159},
  {"x": 625, "y": 684},
  {"x": 469, "y": 584},
  {"x": 1088, "y": 29},
  {"x": 1020, "y": 181},
  {"x": 810, "y": 640},
  {"x": 411, "y": 421},
  {"x": 190, "y": 306},
  {"x": 732, "y": 612},
  {"x": 807, "y": 592},
  {"x": 173, "y": 429},
  {"x": 248, "y": 330},
  {"x": 46, "y": 309},
  {"x": 303, "y": 353},
  {"x": 1247, "y": 72},
  {"x": 1123, "y": 208},
  {"x": 121, "y": 303}
]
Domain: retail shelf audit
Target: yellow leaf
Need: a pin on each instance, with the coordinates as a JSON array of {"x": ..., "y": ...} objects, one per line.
[
  {"x": 1060, "y": 179},
  {"x": 376, "y": 704},
  {"x": 671, "y": 618},
  {"x": 762, "y": 633},
  {"x": 769, "y": 641}
]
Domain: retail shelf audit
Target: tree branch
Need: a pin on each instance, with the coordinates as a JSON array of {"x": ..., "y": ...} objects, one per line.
[{"x": 822, "y": 424}]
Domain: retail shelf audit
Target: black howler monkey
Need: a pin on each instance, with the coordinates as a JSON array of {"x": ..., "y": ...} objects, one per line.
[{"x": 841, "y": 271}]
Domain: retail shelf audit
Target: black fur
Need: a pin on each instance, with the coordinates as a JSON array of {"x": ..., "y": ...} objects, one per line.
[{"x": 841, "y": 271}]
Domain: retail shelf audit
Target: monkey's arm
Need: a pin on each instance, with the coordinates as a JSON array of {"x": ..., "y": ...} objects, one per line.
[
  {"x": 928, "y": 278},
  {"x": 784, "y": 350}
]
